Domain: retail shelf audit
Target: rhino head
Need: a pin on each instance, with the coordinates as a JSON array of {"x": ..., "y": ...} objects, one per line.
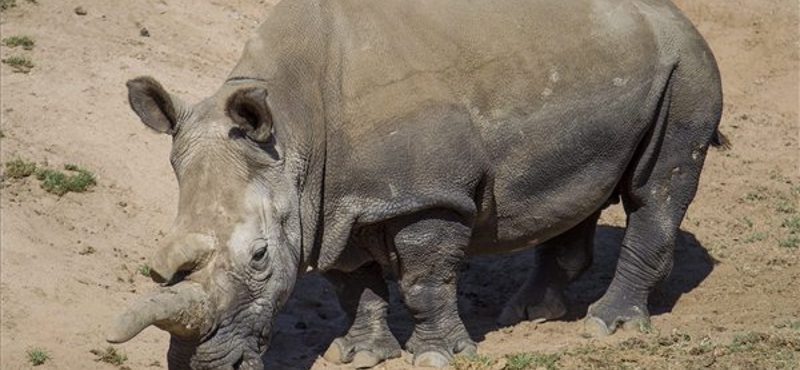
[{"x": 232, "y": 256}]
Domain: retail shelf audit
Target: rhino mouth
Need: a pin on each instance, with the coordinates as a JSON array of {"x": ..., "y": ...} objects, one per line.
[{"x": 227, "y": 355}]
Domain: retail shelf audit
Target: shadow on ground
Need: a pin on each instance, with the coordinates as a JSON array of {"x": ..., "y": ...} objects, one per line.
[{"x": 312, "y": 318}]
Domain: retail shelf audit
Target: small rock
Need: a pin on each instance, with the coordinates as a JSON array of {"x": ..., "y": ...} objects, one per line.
[
  {"x": 81, "y": 11},
  {"x": 144, "y": 32}
]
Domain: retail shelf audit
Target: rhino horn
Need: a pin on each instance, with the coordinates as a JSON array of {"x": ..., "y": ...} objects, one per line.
[
  {"x": 181, "y": 254},
  {"x": 183, "y": 310}
]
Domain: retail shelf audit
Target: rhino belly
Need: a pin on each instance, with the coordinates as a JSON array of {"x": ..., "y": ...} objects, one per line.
[{"x": 557, "y": 167}]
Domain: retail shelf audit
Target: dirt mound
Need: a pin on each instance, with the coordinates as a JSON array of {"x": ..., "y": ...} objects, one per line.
[{"x": 70, "y": 263}]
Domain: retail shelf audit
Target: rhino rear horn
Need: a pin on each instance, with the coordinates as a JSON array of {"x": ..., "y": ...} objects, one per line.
[
  {"x": 184, "y": 253},
  {"x": 182, "y": 310}
]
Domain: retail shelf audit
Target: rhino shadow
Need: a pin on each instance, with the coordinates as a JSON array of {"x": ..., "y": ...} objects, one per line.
[{"x": 312, "y": 318}]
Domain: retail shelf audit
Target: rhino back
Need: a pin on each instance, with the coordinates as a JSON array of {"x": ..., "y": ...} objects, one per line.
[{"x": 553, "y": 97}]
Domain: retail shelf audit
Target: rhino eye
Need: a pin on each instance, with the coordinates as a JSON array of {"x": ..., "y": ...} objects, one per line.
[{"x": 260, "y": 253}]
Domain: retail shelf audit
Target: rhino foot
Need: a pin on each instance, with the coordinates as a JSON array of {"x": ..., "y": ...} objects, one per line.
[
  {"x": 549, "y": 307},
  {"x": 606, "y": 316},
  {"x": 433, "y": 354},
  {"x": 362, "y": 354}
]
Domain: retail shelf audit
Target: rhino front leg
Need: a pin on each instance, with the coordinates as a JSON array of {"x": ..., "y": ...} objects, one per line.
[
  {"x": 558, "y": 262},
  {"x": 364, "y": 297},
  {"x": 431, "y": 249}
]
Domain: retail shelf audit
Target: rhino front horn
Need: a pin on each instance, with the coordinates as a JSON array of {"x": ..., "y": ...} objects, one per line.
[{"x": 182, "y": 310}]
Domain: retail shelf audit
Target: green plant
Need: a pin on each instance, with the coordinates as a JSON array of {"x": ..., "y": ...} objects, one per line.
[
  {"x": 5, "y": 4},
  {"x": 756, "y": 237},
  {"x": 792, "y": 223},
  {"x": 110, "y": 355},
  {"x": 522, "y": 361},
  {"x": 19, "y": 168},
  {"x": 20, "y": 64},
  {"x": 795, "y": 189},
  {"x": 746, "y": 341},
  {"x": 26, "y": 42},
  {"x": 38, "y": 356},
  {"x": 59, "y": 183},
  {"x": 758, "y": 194},
  {"x": 144, "y": 269},
  {"x": 645, "y": 327},
  {"x": 785, "y": 206},
  {"x": 472, "y": 362},
  {"x": 791, "y": 242},
  {"x": 748, "y": 222}
]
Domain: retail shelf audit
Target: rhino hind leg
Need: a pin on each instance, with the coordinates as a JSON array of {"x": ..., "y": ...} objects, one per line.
[
  {"x": 364, "y": 297},
  {"x": 558, "y": 262},
  {"x": 656, "y": 191},
  {"x": 431, "y": 247}
]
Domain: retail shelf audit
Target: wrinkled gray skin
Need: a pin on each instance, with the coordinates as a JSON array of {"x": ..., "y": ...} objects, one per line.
[{"x": 356, "y": 137}]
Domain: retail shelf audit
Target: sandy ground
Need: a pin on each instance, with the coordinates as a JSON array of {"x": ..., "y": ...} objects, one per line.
[{"x": 70, "y": 263}]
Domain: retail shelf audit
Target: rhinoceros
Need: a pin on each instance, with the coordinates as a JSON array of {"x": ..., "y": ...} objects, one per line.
[{"x": 402, "y": 136}]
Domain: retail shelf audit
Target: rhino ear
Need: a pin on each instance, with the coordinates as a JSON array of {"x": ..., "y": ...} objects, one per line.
[
  {"x": 249, "y": 111},
  {"x": 154, "y": 105}
]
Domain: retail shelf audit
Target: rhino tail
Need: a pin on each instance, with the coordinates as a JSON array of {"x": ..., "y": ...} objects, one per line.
[{"x": 719, "y": 140}]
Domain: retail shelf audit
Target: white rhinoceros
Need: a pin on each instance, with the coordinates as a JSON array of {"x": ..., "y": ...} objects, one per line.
[{"x": 358, "y": 136}]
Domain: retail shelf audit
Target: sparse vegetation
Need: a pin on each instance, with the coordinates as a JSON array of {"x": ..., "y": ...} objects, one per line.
[
  {"x": 785, "y": 206},
  {"x": 756, "y": 195},
  {"x": 19, "y": 168},
  {"x": 756, "y": 237},
  {"x": 793, "y": 324},
  {"x": 78, "y": 180},
  {"x": 38, "y": 356},
  {"x": 748, "y": 222},
  {"x": 110, "y": 356},
  {"x": 20, "y": 64},
  {"x": 144, "y": 269},
  {"x": 645, "y": 327},
  {"x": 7, "y": 4},
  {"x": 795, "y": 189},
  {"x": 791, "y": 242},
  {"x": 60, "y": 183},
  {"x": 523, "y": 361},
  {"x": 792, "y": 223},
  {"x": 473, "y": 362},
  {"x": 680, "y": 351},
  {"x": 26, "y": 42}
]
